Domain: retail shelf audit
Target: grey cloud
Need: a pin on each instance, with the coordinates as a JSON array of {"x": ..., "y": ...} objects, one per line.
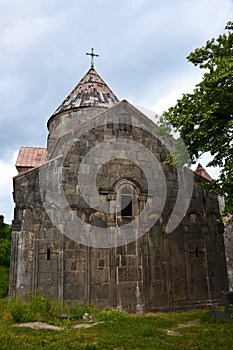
[{"x": 142, "y": 45}]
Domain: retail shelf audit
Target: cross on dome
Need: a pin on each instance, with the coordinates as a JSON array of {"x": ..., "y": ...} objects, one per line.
[{"x": 92, "y": 54}]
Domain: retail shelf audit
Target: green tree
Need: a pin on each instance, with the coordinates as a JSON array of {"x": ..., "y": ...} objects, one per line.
[
  {"x": 204, "y": 119},
  {"x": 5, "y": 231},
  {"x": 5, "y": 251},
  {"x": 5, "y": 247}
]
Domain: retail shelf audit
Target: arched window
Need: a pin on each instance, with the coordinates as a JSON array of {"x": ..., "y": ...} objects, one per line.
[{"x": 126, "y": 203}]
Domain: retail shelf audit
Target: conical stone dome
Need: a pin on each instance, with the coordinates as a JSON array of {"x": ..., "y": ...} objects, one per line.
[
  {"x": 91, "y": 91},
  {"x": 89, "y": 97}
]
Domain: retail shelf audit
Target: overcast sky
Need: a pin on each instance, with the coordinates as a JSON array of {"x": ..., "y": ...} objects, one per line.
[{"x": 142, "y": 47}]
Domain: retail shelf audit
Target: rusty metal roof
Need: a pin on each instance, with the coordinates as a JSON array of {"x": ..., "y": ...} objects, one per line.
[
  {"x": 202, "y": 172},
  {"x": 91, "y": 91},
  {"x": 30, "y": 157}
]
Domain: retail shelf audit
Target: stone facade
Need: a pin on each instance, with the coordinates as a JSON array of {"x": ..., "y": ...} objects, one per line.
[
  {"x": 154, "y": 270},
  {"x": 228, "y": 238}
]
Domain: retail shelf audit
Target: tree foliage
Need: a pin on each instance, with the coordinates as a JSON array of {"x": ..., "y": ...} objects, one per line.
[
  {"x": 5, "y": 245},
  {"x": 204, "y": 119},
  {"x": 5, "y": 231},
  {"x": 5, "y": 249}
]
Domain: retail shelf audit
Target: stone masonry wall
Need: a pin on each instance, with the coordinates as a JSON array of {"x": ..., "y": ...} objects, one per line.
[{"x": 156, "y": 271}]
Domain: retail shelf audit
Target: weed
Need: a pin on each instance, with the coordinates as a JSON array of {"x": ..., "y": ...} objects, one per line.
[
  {"x": 112, "y": 314},
  {"x": 91, "y": 347},
  {"x": 19, "y": 310}
]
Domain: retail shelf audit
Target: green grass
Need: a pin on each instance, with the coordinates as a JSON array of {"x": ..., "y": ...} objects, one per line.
[{"x": 116, "y": 330}]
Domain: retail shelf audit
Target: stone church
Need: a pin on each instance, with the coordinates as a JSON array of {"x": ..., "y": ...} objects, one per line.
[{"x": 93, "y": 213}]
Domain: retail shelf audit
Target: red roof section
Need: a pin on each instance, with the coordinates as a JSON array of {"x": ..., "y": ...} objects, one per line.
[
  {"x": 30, "y": 157},
  {"x": 203, "y": 173}
]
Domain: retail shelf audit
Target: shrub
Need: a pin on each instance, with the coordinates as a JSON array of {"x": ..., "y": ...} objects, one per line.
[
  {"x": 38, "y": 308},
  {"x": 4, "y": 281}
]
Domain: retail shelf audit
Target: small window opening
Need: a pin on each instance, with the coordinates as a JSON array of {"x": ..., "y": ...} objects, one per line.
[
  {"x": 196, "y": 252},
  {"x": 126, "y": 203},
  {"x": 44, "y": 195},
  {"x": 48, "y": 254},
  {"x": 125, "y": 127}
]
